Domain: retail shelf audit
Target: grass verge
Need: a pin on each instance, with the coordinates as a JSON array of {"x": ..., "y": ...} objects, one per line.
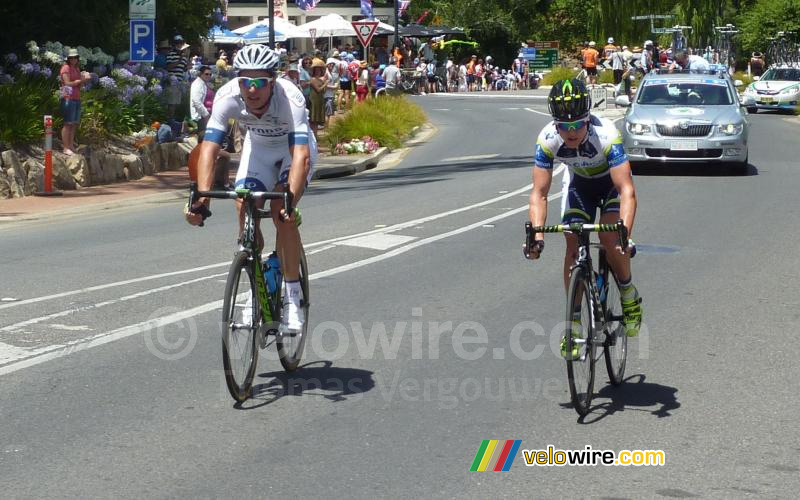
[{"x": 388, "y": 120}]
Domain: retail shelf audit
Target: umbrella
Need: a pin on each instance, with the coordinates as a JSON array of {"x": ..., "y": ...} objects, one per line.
[
  {"x": 218, "y": 34},
  {"x": 260, "y": 34},
  {"x": 282, "y": 26},
  {"x": 336, "y": 25}
]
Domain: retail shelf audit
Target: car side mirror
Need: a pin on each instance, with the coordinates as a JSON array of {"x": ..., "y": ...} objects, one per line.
[
  {"x": 622, "y": 101},
  {"x": 756, "y": 78},
  {"x": 738, "y": 83}
]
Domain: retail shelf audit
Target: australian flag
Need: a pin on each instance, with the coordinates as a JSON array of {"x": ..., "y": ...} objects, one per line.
[
  {"x": 306, "y": 4},
  {"x": 366, "y": 9}
]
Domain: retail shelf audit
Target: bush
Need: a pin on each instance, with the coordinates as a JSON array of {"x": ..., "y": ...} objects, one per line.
[
  {"x": 23, "y": 105},
  {"x": 744, "y": 77},
  {"x": 558, "y": 73},
  {"x": 386, "y": 119}
]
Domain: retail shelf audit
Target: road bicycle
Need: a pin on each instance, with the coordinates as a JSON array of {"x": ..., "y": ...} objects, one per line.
[
  {"x": 724, "y": 45},
  {"x": 251, "y": 308},
  {"x": 594, "y": 316}
]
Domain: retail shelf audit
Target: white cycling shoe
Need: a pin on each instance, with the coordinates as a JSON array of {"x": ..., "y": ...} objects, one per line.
[{"x": 292, "y": 317}]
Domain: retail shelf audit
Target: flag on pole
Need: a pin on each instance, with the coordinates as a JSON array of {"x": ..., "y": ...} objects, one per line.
[
  {"x": 366, "y": 9},
  {"x": 404, "y": 4},
  {"x": 307, "y": 4}
]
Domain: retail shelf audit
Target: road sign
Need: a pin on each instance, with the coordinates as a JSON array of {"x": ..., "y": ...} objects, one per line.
[
  {"x": 365, "y": 30},
  {"x": 528, "y": 53},
  {"x": 142, "y": 9},
  {"x": 143, "y": 40},
  {"x": 545, "y": 59},
  {"x": 599, "y": 97}
]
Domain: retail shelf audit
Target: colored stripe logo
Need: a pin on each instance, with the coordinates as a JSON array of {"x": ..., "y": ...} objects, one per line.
[{"x": 495, "y": 455}]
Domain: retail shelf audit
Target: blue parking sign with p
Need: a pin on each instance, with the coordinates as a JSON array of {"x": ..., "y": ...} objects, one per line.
[{"x": 143, "y": 40}]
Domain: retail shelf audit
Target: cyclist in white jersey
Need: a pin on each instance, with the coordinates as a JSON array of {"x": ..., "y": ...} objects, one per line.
[
  {"x": 278, "y": 154},
  {"x": 598, "y": 176}
]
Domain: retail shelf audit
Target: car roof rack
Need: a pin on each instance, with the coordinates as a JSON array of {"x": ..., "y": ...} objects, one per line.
[{"x": 715, "y": 70}]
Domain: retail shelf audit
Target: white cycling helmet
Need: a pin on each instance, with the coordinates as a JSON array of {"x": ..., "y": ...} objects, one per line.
[{"x": 256, "y": 57}]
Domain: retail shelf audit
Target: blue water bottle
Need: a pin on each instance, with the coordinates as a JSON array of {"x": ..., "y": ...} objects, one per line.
[
  {"x": 600, "y": 287},
  {"x": 272, "y": 272}
]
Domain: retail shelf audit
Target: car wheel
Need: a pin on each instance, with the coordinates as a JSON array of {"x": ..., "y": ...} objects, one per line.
[
  {"x": 752, "y": 111},
  {"x": 740, "y": 168}
]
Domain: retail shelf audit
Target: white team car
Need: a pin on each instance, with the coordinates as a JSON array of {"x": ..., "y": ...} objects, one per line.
[{"x": 778, "y": 88}]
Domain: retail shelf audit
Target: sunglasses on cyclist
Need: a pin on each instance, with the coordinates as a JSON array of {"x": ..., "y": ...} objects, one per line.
[
  {"x": 258, "y": 83},
  {"x": 567, "y": 126}
]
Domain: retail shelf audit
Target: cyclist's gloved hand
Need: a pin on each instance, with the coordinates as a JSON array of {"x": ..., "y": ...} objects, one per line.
[
  {"x": 197, "y": 213},
  {"x": 535, "y": 250}
]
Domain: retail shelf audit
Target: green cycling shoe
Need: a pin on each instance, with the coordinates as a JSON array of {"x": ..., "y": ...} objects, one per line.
[
  {"x": 576, "y": 334},
  {"x": 632, "y": 313}
]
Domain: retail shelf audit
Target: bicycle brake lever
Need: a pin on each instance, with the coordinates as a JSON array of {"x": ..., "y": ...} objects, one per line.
[{"x": 528, "y": 240}]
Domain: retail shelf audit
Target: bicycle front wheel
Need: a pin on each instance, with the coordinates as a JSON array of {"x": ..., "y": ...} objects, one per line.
[
  {"x": 290, "y": 347},
  {"x": 616, "y": 345},
  {"x": 579, "y": 335},
  {"x": 240, "y": 320}
]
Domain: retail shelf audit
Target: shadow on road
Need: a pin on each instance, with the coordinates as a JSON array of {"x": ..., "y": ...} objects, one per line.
[
  {"x": 633, "y": 394},
  {"x": 421, "y": 174},
  {"x": 327, "y": 381},
  {"x": 692, "y": 170}
]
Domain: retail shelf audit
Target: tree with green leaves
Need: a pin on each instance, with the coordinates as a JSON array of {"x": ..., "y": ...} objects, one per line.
[{"x": 96, "y": 24}]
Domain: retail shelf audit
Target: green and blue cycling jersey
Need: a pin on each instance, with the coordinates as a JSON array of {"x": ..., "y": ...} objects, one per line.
[{"x": 587, "y": 183}]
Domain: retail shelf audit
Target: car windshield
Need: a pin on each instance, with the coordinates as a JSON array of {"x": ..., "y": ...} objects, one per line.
[
  {"x": 664, "y": 93},
  {"x": 786, "y": 74}
]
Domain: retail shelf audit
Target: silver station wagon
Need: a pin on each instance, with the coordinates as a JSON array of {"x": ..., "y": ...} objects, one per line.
[{"x": 686, "y": 117}]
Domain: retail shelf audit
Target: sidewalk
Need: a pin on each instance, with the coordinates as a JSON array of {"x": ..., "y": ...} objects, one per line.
[{"x": 167, "y": 185}]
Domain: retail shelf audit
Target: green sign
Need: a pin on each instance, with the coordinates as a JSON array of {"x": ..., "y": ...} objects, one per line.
[{"x": 545, "y": 59}]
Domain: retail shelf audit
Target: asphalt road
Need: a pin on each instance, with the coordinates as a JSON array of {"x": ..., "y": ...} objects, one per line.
[{"x": 430, "y": 333}]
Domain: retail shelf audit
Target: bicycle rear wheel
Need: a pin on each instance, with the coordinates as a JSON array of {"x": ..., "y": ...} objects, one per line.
[
  {"x": 580, "y": 370},
  {"x": 617, "y": 354},
  {"x": 290, "y": 347},
  {"x": 240, "y": 319}
]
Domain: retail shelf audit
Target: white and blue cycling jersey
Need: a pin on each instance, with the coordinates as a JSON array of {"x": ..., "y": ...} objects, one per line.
[
  {"x": 587, "y": 183},
  {"x": 266, "y": 157}
]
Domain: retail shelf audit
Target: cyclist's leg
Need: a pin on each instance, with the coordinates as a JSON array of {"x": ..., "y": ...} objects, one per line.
[
  {"x": 573, "y": 209},
  {"x": 288, "y": 232},
  {"x": 621, "y": 265}
]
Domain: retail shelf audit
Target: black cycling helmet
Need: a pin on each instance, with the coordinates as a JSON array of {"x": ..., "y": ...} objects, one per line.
[{"x": 569, "y": 100}]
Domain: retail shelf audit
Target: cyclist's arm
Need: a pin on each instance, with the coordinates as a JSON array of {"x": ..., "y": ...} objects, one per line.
[
  {"x": 542, "y": 177},
  {"x": 620, "y": 171},
  {"x": 300, "y": 142},
  {"x": 216, "y": 131}
]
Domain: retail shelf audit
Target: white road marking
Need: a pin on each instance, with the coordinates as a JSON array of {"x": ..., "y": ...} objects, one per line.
[
  {"x": 324, "y": 243},
  {"x": 380, "y": 241},
  {"x": 70, "y": 328},
  {"x": 461, "y": 95},
  {"x": 111, "y": 285},
  {"x": 473, "y": 157},
  {"x": 538, "y": 112},
  {"x": 441, "y": 109},
  {"x": 13, "y": 358},
  {"x": 509, "y": 109},
  {"x": 32, "y": 321}
]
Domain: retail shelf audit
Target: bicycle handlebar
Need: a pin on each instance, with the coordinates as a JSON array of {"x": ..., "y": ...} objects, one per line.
[
  {"x": 575, "y": 228},
  {"x": 234, "y": 194}
]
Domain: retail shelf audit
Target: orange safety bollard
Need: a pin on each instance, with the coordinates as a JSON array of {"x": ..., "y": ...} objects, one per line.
[{"x": 48, "y": 159}]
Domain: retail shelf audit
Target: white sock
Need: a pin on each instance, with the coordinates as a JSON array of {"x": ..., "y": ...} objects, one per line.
[{"x": 293, "y": 291}]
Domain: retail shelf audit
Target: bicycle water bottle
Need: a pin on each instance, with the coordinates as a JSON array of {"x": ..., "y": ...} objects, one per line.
[
  {"x": 600, "y": 287},
  {"x": 272, "y": 272}
]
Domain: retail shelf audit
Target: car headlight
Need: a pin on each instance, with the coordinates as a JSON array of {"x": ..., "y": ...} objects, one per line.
[
  {"x": 731, "y": 128},
  {"x": 638, "y": 128},
  {"x": 789, "y": 90}
]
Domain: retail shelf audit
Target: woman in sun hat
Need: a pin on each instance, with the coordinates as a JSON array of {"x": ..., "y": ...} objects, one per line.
[
  {"x": 319, "y": 83},
  {"x": 71, "y": 78}
]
